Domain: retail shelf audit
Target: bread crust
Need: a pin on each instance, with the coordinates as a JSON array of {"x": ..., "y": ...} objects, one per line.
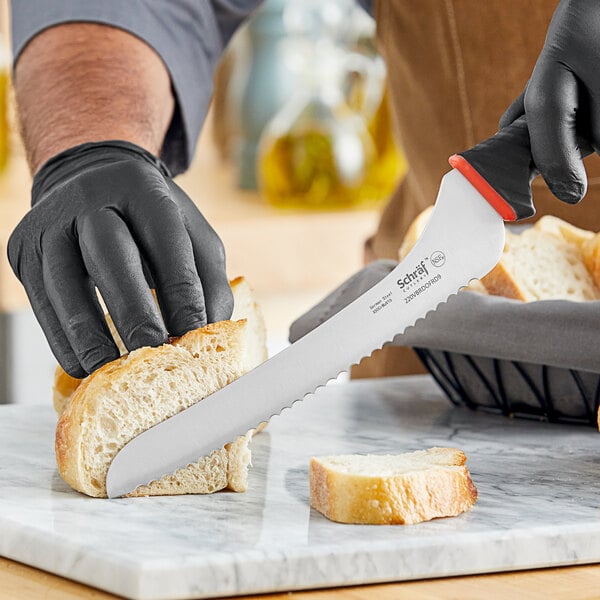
[
  {"x": 590, "y": 251},
  {"x": 64, "y": 388},
  {"x": 500, "y": 282},
  {"x": 564, "y": 230},
  {"x": 400, "y": 499}
]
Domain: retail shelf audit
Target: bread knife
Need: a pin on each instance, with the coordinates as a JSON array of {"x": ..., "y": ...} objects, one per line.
[{"x": 464, "y": 239}]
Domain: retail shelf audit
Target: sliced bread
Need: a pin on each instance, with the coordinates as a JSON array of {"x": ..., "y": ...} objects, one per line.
[
  {"x": 551, "y": 260},
  {"x": 389, "y": 490},
  {"x": 538, "y": 265},
  {"x": 138, "y": 390},
  {"x": 562, "y": 229},
  {"x": 588, "y": 242}
]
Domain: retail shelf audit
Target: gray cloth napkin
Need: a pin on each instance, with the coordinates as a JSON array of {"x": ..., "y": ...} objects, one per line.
[{"x": 557, "y": 333}]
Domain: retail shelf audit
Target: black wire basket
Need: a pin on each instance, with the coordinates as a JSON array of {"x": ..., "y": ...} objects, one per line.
[{"x": 515, "y": 389}]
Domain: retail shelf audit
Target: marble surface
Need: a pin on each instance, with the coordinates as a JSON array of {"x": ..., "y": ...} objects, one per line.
[{"x": 539, "y": 490}]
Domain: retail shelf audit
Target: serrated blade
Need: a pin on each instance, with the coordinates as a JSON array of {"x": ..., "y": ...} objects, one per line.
[{"x": 462, "y": 241}]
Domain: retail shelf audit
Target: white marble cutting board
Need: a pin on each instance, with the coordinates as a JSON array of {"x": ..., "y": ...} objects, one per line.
[{"x": 539, "y": 497}]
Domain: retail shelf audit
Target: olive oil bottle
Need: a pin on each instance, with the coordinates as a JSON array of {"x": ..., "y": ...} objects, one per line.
[
  {"x": 322, "y": 151},
  {"x": 321, "y": 160}
]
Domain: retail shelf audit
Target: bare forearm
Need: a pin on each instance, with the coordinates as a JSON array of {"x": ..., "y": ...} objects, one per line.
[{"x": 80, "y": 82}]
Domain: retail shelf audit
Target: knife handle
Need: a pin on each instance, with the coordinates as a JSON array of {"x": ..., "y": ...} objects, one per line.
[{"x": 501, "y": 169}]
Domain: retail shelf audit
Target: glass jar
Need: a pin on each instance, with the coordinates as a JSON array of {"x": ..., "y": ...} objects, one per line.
[
  {"x": 331, "y": 146},
  {"x": 317, "y": 152}
]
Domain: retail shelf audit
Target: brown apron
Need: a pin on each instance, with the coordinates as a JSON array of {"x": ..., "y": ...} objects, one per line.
[{"x": 454, "y": 66}]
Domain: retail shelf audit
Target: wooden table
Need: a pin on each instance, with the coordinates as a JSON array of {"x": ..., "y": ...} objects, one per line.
[{"x": 20, "y": 582}]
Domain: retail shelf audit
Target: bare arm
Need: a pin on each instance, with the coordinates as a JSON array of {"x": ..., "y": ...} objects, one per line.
[{"x": 81, "y": 82}]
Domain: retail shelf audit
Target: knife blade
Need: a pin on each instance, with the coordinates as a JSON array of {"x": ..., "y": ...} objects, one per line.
[{"x": 463, "y": 240}]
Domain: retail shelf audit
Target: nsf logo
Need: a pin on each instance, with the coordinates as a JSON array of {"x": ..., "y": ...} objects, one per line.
[{"x": 438, "y": 258}]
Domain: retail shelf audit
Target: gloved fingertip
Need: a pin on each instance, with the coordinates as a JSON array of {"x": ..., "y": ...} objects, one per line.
[
  {"x": 220, "y": 308},
  {"x": 182, "y": 327},
  {"x": 142, "y": 330},
  {"x": 74, "y": 370},
  {"x": 99, "y": 356},
  {"x": 571, "y": 191},
  {"x": 506, "y": 119}
]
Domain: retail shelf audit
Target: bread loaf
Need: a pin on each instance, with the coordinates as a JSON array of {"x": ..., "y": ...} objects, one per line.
[
  {"x": 138, "y": 390},
  {"x": 389, "y": 490}
]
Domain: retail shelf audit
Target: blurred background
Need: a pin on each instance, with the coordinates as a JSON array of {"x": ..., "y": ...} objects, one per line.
[{"x": 295, "y": 161}]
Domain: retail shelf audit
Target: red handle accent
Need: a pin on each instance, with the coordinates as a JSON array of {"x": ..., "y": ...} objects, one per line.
[{"x": 498, "y": 203}]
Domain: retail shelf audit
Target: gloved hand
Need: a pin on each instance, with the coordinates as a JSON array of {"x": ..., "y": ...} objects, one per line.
[
  {"x": 107, "y": 215},
  {"x": 563, "y": 98}
]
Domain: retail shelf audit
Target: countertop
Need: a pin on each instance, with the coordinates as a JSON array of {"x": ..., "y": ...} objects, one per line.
[{"x": 538, "y": 489}]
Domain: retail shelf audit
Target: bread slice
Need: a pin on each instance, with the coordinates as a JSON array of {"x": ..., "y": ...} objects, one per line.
[
  {"x": 390, "y": 490},
  {"x": 588, "y": 242},
  {"x": 538, "y": 265},
  {"x": 138, "y": 390},
  {"x": 562, "y": 229}
]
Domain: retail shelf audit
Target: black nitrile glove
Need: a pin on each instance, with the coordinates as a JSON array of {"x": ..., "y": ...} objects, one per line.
[
  {"x": 562, "y": 99},
  {"x": 107, "y": 215}
]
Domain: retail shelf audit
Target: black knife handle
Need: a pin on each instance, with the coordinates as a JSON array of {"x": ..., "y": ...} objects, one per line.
[{"x": 501, "y": 168}]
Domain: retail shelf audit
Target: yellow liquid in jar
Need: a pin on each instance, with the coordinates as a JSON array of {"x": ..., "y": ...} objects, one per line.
[
  {"x": 300, "y": 170},
  {"x": 305, "y": 168},
  {"x": 4, "y": 133}
]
